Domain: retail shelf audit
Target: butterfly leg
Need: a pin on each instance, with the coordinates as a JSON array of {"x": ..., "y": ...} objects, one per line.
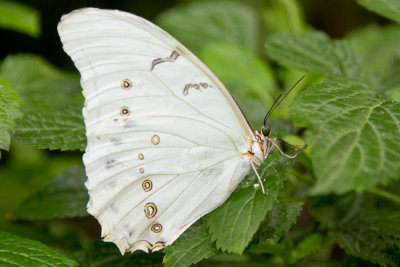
[
  {"x": 273, "y": 142},
  {"x": 259, "y": 178},
  {"x": 300, "y": 146},
  {"x": 268, "y": 148}
]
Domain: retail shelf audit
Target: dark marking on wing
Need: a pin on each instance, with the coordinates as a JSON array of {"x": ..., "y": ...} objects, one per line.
[
  {"x": 116, "y": 141},
  {"x": 110, "y": 164},
  {"x": 174, "y": 55},
  {"x": 129, "y": 229},
  {"x": 114, "y": 208},
  {"x": 113, "y": 184},
  {"x": 180, "y": 50},
  {"x": 197, "y": 86},
  {"x": 129, "y": 123}
]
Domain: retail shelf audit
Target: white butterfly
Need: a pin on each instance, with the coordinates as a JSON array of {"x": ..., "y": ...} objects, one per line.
[{"x": 167, "y": 143}]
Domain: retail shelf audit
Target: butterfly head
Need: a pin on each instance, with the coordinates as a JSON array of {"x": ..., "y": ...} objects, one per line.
[
  {"x": 260, "y": 146},
  {"x": 263, "y": 139},
  {"x": 266, "y": 130}
]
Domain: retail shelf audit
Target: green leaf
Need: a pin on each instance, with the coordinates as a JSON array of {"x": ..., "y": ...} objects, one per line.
[
  {"x": 62, "y": 130},
  {"x": 364, "y": 225},
  {"x": 372, "y": 235},
  {"x": 51, "y": 102},
  {"x": 284, "y": 16},
  {"x": 282, "y": 249},
  {"x": 279, "y": 220},
  {"x": 19, "y": 17},
  {"x": 251, "y": 82},
  {"x": 390, "y": 79},
  {"x": 40, "y": 85},
  {"x": 18, "y": 251},
  {"x": 197, "y": 24},
  {"x": 307, "y": 246},
  {"x": 107, "y": 254},
  {"x": 193, "y": 246},
  {"x": 9, "y": 113},
  {"x": 234, "y": 223},
  {"x": 394, "y": 94},
  {"x": 65, "y": 197},
  {"x": 355, "y": 140},
  {"x": 334, "y": 211},
  {"x": 251, "y": 73},
  {"x": 387, "y": 8},
  {"x": 379, "y": 46},
  {"x": 316, "y": 52}
]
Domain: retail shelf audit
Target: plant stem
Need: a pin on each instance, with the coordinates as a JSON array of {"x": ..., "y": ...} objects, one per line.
[{"x": 384, "y": 194}]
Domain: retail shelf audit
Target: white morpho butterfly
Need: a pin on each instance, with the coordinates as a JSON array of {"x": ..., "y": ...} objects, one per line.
[{"x": 166, "y": 142}]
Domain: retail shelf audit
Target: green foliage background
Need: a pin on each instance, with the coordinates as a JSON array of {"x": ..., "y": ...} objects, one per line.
[{"x": 337, "y": 204}]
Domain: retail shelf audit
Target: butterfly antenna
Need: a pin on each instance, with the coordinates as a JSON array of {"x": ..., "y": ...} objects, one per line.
[
  {"x": 271, "y": 109},
  {"x": 276, "y": 103}
]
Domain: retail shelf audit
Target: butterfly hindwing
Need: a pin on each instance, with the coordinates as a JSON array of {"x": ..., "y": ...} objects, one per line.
[{"x": 165, "y": 138}]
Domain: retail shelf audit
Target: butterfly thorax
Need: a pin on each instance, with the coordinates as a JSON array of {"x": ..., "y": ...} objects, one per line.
[
  {"x": 256, "y": 149},
  {"x": 258, "y": 152},
  {"x": 261, "y": 145}
]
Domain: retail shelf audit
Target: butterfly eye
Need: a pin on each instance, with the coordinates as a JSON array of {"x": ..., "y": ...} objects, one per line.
[{"x": 266, "y": 130}]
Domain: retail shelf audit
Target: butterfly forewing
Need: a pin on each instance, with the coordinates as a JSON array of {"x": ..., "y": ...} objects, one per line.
[{"x": 165, "y": 138}]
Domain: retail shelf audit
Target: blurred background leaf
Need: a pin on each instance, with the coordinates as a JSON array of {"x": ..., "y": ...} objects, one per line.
[
  {"x": 315, "y": 52},
  {"x": 372, "y": 235},
  {"x": 386, "y": 8},
  {"x": 9, "y": 113},
  {"x": 64, "y": 197},
  {"x": 229, "y": 22},
  {"x": 364, "y": 225},
  {"x": 19, "y": 17},
  {"x": 285, "y": 16},
  {"x": 106, "y": 254},
  {"x": 381, "y": 54},
  {"x": 251, "y": 82},
  {"x": 251, "y": 75}
]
